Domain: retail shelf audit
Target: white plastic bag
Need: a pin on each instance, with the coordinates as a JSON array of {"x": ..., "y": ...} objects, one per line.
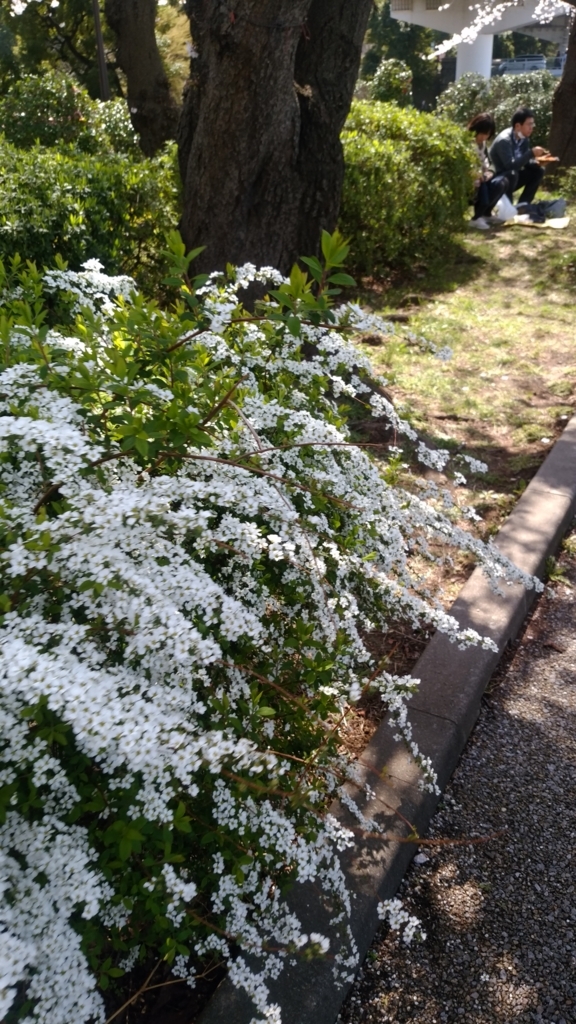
[{"x": 504, "y": 209}]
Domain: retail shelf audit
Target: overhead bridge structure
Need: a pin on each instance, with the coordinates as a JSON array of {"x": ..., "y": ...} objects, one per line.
[{"x": 454, "y": 16}]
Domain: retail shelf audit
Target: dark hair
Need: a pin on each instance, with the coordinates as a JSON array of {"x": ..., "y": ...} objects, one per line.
[
  {"x": 521, "y": 115},
  {"x": 481, "y": 124}
]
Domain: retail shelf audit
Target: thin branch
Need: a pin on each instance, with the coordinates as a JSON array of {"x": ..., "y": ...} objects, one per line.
[
  {"x": 259, "y": 319},
  {"x": 187, "y": 337},
  {"x": 44, "y": 497},
  {"x": 263, "y": 679},
  {"x": 135, "y": 996},
  {"x": 321, "y": 444},
  {"x": 222, "y": 402},
  {"x": 419, "y": 841},
  {"x": 254, "y": 469},
  {"x": 248, "y": 426},
  {"x": 259, "y": 787}
]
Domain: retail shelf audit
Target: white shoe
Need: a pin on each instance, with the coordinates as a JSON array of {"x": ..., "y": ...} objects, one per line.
[{"x": 480, "y": 223}]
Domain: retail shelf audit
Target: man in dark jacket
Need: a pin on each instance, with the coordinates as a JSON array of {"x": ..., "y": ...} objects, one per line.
[{"x": 512, "y": 156}]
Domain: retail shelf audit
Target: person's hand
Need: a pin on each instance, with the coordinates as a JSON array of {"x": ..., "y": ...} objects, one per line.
[
  {"x": 539, "y": 151},
  {"x": 488, "y": 175}
]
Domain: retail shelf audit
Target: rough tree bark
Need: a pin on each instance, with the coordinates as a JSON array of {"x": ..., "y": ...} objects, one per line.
[
  {"x": 153, "y": 110},
  {"x": 563, "y": 129},
  {"x": 260, "y": 155}
]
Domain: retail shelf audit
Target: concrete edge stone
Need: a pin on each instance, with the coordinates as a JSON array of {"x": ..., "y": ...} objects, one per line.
[{"x": 443, "y": 712}]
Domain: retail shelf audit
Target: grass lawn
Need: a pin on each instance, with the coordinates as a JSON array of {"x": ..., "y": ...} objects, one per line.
[{"x": 504, "y": 302}]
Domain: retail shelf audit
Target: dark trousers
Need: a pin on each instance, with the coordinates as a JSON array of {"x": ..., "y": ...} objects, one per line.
[
  {"x": 528, "y": 179},
  {"x": 488, "y": 195}
]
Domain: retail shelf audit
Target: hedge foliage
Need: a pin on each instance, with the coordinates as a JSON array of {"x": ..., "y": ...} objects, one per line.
[
  {"x": 52, "y": 110},
  {"x": 84, "y": 206},
  {"x": 392, "y": 83},
  {"x": 501, "y": 96},
  {"x": 406, "y": 187}
]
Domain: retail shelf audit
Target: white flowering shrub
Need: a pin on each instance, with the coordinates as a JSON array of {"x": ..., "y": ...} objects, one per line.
[
  {"x": 501, "y": 95},
  {"x": 192, "y": 551}
]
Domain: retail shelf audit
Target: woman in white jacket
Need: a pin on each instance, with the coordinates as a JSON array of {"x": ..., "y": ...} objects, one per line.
[{"x": 489, "y": 188}]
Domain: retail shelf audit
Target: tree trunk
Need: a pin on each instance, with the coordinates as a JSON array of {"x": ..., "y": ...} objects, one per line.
[
  {"x": 153, "y": 110},
  {"x": 563, "y": 129},
  {"x": 260, "y": 155}
]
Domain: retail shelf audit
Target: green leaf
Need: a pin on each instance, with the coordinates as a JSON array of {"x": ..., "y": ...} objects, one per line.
[
  {"x": 124, "y": 849},
  {"x": 194, "y": 253},
  {"x": 314, "y": 265},
  {"x": 343, "y": 279},
  {"x": 294, "y": 326},
  {"x": 298, "y": 279},
  {"x": 266, "y": 712},
  {"x": 334, "y": 249}
]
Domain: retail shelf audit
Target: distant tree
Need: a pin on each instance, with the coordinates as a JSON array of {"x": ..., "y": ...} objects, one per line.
[
  {"x": 516, "y": 44},
  {"x": 64, "y": 35},
  {"x": 563, "y": 130},
  {"x": 392, "y": 39},
  {"x": 153, "y": 109},
  {"x": 8, "y": 61},
  {"x": 59, "y": 36}
]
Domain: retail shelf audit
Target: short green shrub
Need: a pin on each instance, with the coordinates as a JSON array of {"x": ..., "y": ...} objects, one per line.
[
  {"x": 568, "y": 183},
  {"x": 501, "y": 96},
  {"x": 53, "y": 110},
  {"x": 84, "y": 206},
  {"x": 406, "y": 188},
  {"x": 392, "y": 83}
]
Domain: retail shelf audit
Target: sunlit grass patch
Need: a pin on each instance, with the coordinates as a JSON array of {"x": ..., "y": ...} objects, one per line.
[{"x": 505, "y": 305}]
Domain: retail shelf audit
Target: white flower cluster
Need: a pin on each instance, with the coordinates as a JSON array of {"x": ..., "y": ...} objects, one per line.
[
  {"x": 93, "y": 289},
  {"x": 400, "y": 920},
  {"x": 276, "y": 544},
  {"x": 47, "y": 877}
]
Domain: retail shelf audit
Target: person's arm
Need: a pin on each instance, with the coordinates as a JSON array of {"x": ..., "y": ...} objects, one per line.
[
  {"x": 503, "y": 158},
  {"x": 478, "y": 161},
  {"x": 486, "y": 172},
  {"x": 502, "y": 155},
  {"x": 526, "y": 155}
]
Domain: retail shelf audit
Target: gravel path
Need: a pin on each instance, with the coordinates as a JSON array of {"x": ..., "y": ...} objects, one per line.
[{"x": 500, "y": 916}]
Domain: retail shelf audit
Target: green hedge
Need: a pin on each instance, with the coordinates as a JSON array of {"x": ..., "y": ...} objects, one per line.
[
  {"x": 82, "y": 206},
  {"x": 501, "y": 96},
  {"x": 53, "y": 110},
  {"x": 392, "y": 83},
  {"x": 407, "y": 186}
]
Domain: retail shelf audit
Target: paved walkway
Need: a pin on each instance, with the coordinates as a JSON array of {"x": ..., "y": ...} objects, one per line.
[{"x": 500, "y": 916}]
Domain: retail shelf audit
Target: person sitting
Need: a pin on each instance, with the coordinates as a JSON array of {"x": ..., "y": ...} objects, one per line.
[
  {"x": 513, "y": 157},
  {"x": 489, "y": 188}
]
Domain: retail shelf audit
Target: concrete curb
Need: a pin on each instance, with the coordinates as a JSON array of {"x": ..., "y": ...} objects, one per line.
[{"x": 443, "y": 713}]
